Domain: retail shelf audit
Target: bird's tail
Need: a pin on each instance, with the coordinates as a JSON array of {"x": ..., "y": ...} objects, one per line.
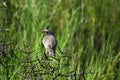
[{"x": 51, "y": 53}]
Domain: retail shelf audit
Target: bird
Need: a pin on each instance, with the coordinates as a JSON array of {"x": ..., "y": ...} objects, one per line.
[{"x": 49, "y": 41}]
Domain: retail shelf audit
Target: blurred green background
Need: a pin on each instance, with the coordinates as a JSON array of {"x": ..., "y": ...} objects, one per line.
[{"x": 87, "y": 30}]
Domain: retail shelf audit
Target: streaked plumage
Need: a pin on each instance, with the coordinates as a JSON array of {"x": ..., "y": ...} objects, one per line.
[{"x": 49, "y": 42}]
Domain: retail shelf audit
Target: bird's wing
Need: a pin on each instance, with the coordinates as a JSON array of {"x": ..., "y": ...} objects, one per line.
[{"x": 53, "y": 42}]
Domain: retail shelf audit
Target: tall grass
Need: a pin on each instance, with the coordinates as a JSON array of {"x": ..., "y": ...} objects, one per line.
[{"x": 88, "y": 33}]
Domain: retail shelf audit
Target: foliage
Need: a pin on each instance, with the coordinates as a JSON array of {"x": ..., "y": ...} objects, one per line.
[{"x": 87, "y": 32}]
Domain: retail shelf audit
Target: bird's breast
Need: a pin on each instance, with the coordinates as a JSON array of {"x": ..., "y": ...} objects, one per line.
[{"x": 49, "y": 41}]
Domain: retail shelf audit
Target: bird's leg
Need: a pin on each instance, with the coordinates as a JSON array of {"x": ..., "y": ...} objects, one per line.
[{"x": 45, "y": 54}]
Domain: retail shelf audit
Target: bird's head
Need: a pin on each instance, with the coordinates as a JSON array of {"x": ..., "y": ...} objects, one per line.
[{"x": 48, "y": 32}]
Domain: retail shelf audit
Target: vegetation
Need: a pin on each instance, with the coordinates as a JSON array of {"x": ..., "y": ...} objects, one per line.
[{"x": 87, "y": 32}]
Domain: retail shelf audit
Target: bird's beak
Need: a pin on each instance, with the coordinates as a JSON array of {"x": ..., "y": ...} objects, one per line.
[{"x": 43, "y": 31}]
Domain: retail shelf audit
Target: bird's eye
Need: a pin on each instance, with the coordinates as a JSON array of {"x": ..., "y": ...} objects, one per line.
[{"x": 47, "y": 32}]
